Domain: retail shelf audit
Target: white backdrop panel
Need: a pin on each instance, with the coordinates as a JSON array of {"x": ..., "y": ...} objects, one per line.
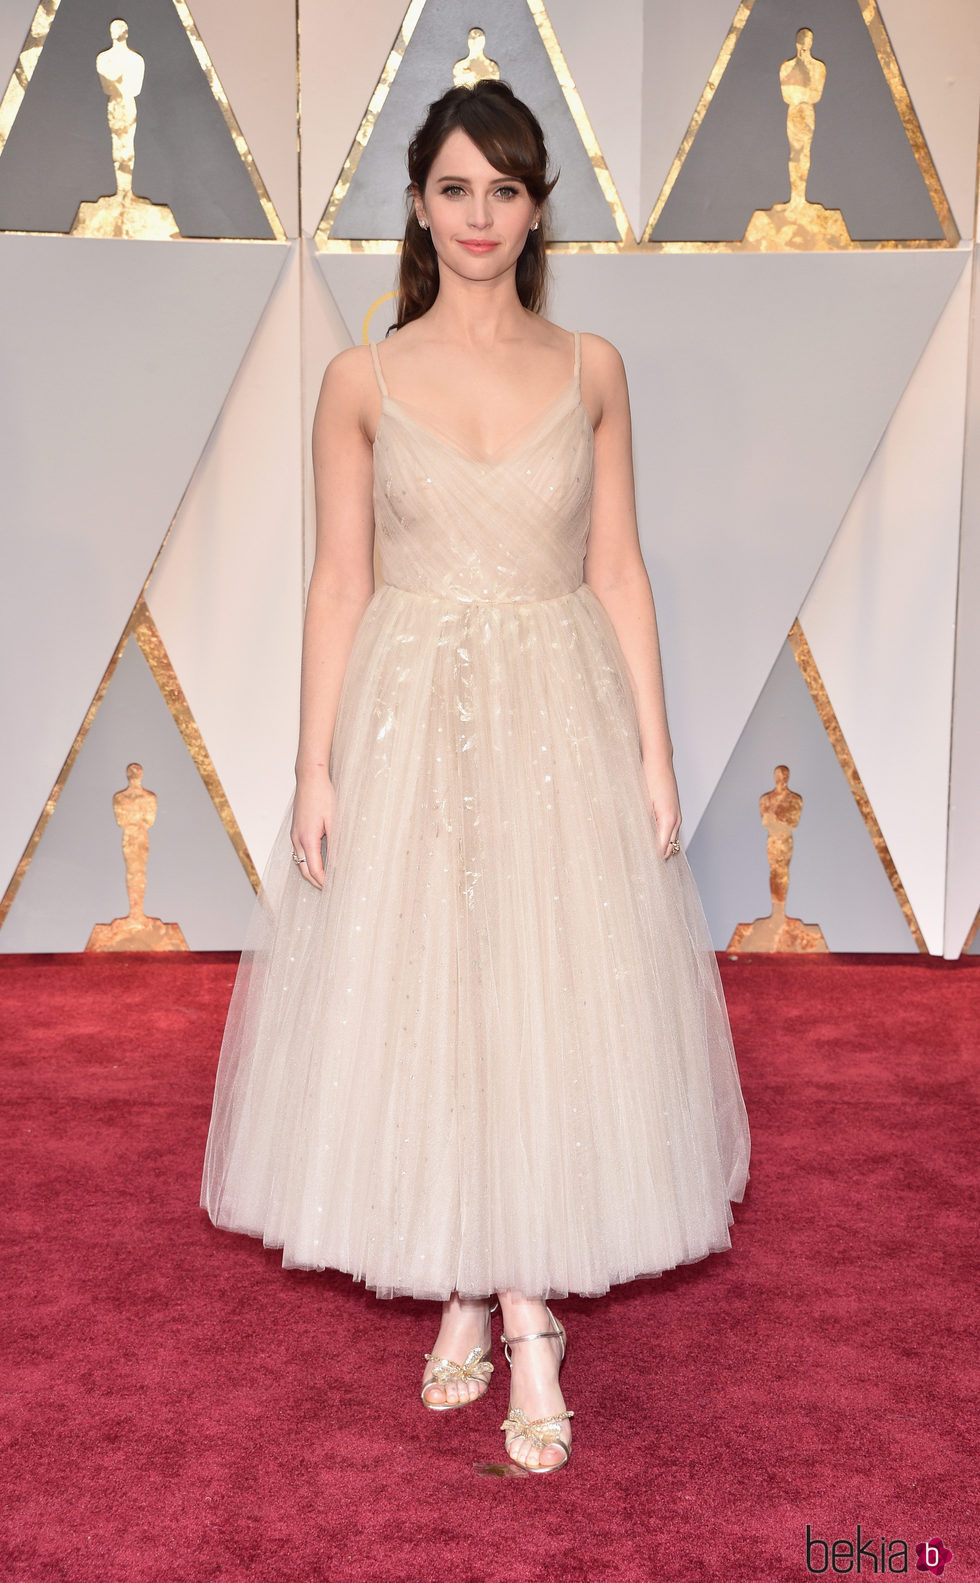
[
  {"x": 227, "y": 595},
  {"x": 880, "y": 617},
  {"x": 963, "y": 862},
  {"x": 760, "y": 387},
  {"x": 324, "y": 334},
  {"x": 16, "y": 17},
  {"x": 359, "y": 283},
  {"x": 119, "y": 355}
]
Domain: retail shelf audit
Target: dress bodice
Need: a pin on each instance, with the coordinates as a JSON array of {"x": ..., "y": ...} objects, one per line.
[{"x": 511, "y": 526}]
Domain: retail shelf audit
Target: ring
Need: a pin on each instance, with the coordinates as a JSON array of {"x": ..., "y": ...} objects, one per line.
[{"x": 298, "y": 859}]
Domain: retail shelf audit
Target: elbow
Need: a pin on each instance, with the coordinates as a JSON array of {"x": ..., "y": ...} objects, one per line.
[
  {"x": 626, "y": 576},
  {"x": 345, "y": 589}
]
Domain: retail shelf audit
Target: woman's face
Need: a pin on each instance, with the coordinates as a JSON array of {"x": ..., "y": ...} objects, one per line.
[{"x": 478, "y": 219}]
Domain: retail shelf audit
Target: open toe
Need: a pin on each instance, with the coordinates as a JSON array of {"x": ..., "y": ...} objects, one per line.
[
  {"x": 476, "y": 1366},
  {"x": 541, "y": 1433}
]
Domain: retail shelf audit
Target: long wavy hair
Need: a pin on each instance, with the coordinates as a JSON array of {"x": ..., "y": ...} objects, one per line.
[{"x": 509, "y": 137}]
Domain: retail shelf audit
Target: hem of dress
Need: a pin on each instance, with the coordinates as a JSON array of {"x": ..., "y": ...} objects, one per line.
[{"x": 386, "y": 1291}]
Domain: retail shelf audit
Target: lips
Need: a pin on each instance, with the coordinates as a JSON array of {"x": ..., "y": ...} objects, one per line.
[{"x": 478, "y": 247}]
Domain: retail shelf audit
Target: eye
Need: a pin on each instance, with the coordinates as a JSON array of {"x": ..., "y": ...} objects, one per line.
[
  {"x": 508, "y": 192},
  {"x": 452, "y": 187}
]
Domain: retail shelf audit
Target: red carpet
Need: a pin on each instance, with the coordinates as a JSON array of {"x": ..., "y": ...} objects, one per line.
[{"x": 177, "y": 1407}]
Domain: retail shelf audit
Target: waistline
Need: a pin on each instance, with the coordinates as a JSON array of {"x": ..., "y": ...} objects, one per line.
[{"x": 474, "y": 599}]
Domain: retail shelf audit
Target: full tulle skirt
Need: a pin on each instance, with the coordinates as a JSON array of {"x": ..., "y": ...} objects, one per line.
[{"x": 493, "y": 1051}]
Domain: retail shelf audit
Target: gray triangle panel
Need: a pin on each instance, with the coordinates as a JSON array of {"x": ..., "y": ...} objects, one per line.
[
  {"x": 59, "y": 154},
  {"x": 77, "y": 877},
  {"x": 862, "y": 161},
  {"x": 835, "y": 877},
  {"x": 374, "y": 206}
]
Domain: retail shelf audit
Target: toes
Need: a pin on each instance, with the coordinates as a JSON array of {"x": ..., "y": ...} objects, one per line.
[{"x": 527, "y": 1455}]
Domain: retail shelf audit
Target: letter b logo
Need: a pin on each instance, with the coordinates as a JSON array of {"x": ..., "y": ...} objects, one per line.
[{"x": 817, "y": 1552}]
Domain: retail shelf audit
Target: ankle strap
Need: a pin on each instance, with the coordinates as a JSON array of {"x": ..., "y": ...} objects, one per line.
[{"x": 539, "y": 1335}]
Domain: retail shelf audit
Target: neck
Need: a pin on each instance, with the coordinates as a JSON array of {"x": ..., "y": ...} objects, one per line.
[{"x": 477, "y": 313}]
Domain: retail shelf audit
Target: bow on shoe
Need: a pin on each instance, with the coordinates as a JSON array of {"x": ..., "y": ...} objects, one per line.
[
  {"x": 541, "y": 1431},
  {"x": 475, "y": 1367}
]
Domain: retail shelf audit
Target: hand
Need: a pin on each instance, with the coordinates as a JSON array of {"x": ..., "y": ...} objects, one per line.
[
  {"x": 313, "y": 812},
  {"x": 665, "y": 805}
]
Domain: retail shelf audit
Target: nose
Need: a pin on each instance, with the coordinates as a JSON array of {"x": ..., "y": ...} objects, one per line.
[{"x": 479, "y": 215}]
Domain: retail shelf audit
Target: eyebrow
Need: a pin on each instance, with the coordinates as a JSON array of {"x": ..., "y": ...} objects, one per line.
[{"x": 466, "y": 178}]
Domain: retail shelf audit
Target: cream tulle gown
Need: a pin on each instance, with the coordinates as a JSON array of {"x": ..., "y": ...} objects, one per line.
[{"x": 493, "y": 1051}]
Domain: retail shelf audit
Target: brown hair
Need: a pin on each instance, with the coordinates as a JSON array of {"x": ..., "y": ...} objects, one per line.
[{"x": 509, "y": 136}]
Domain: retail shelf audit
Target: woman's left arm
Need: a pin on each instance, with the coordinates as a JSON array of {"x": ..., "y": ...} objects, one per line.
[{"x": 615, "y": 571}]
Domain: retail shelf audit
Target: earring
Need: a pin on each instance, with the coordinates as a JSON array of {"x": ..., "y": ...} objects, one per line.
[
  {"x": 534, "y": 226},
  {"x": 424, "y": 224}
]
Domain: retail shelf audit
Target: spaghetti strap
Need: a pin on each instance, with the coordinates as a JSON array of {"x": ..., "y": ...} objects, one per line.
[
  {"x": 377, "y": 368},
  {"x": 577, "y": 370}
]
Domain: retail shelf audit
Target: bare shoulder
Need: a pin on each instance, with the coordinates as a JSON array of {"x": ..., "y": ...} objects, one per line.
[
  {"x": 604, "y": 388},
  {"x": 347, "y": 373},
  {"x": 602, "y": 360},
  {"x": 349, "y": 390}
]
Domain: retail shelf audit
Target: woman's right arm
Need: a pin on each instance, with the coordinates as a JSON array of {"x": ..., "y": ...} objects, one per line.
[{"x": 340, "y": 587}]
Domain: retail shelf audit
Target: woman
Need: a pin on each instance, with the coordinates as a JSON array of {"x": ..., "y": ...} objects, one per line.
[{"x": 477, "y": 1043}]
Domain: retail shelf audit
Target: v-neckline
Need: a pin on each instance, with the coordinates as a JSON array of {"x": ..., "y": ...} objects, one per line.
[{"x": 502, "y": 453}]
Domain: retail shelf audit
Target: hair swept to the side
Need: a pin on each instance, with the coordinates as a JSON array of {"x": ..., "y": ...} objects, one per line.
[{"x": 509, "y": 136}]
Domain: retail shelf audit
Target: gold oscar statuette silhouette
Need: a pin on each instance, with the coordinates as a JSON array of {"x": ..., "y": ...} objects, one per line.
[
  {"x": 135, "y": 809},
  {"x": 475, "y": 65},
  {"x": 122, "y": 214},
  {"x": 799, "y": 225},
  {"x": 780, "y": 810}
]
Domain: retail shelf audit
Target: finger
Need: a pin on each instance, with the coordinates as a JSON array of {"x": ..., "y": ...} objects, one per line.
[
  {"x": 314, "y": 866},
  {"x": 302, "y": 863}
]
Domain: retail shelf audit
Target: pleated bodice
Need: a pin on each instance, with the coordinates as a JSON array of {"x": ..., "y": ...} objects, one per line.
[{"x": 507, "y": 527}]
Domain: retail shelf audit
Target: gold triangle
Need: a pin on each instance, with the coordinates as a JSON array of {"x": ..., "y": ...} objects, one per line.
[
  {"x": 142, "y": 627},
  {"x": 825, "y": 709},
  {"x": 30, "y": 54},
  {"x": 326, "y": 243},
  {"x": 903, "y": 104}
]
